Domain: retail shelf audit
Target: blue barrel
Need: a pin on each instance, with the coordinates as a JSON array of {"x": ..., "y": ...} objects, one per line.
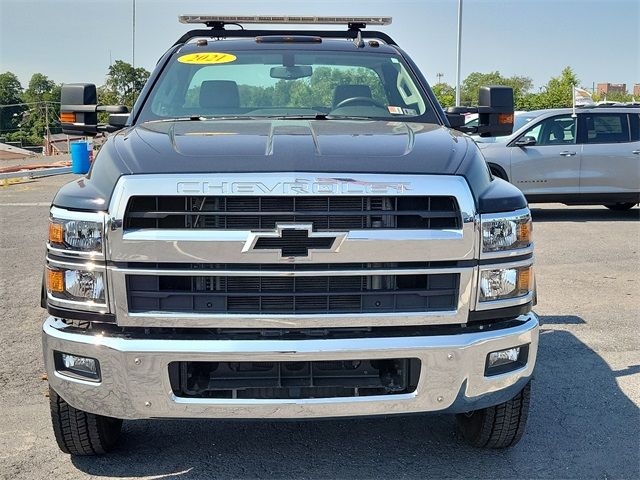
[{"x": 80, "y": 157}]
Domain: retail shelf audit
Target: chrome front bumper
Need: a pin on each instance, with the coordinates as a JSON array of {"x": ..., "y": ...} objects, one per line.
[{"x": 135, "y": 378}]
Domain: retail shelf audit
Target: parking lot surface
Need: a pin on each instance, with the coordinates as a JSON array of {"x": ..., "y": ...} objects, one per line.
[{"x": 584, "y": 420}]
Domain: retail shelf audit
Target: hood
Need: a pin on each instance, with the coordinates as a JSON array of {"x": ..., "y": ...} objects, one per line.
[{"x": 355, "y": 146}]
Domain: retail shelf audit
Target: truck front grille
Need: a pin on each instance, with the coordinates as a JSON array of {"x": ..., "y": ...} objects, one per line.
[
  {"x": 271, "y": 251},
  {"x": 292, "y": 294},
  {"x": 264, "y": 212},
  {"x": 290, "y": 380}
]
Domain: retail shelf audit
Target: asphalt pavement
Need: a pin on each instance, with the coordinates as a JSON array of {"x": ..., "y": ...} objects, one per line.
[{"x": 584, "y": 420}]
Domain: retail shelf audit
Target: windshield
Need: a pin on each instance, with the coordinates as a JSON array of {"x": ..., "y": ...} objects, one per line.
[
  {"x": 287, "y": 84},
  {"x": 521, "y": 120}
]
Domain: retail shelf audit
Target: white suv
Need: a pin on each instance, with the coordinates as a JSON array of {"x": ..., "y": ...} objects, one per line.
[{"x": 592, "y": 158}]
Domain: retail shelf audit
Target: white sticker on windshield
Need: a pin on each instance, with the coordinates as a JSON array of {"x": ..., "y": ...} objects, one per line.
[
  {"x": 409, "y": 111},
  {"x": 394, "y": 110}
]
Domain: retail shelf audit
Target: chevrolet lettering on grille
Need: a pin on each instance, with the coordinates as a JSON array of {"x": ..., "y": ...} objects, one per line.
[
  {"x": 297, "y": 186},
  {"x": 294, "y": 240}
]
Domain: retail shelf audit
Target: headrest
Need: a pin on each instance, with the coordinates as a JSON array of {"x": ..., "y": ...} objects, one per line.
[
  {"x": 219, "y": 94},
  {"x": 342, "y": 92},
  {"x": 558, "y": 132}
]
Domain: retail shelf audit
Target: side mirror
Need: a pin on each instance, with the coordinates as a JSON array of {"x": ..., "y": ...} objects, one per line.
[
  {"x": 78, "y": 113},
  {"x": 79, "y": 110},
  {"x": 455, "y": 120},
  {"x": 495, "y": 113},
  {"x": 118, "y": 120},
  {"x": 526, "y": 141}
]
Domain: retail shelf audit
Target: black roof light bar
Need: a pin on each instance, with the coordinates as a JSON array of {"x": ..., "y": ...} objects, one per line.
[
  {"x": 217, "y": 24},
  {"x": 211, "y": 20}
]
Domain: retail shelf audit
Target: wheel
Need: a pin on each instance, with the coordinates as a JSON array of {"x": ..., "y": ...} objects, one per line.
[
  {"x": 82, "y": 433},
  {"x": 620, "y": 207},
  {"x": 500, "y": 426}
]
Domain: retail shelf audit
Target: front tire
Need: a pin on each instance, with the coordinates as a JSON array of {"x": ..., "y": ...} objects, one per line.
[
  {"x": 81, "y": 433},
  {"x": 620, "y": 207},
  {"x": 500, "y": 426}
]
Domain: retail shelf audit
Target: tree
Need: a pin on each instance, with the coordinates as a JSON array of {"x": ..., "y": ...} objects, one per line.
[
  {"x": 10, "y": 93},
  {"x": 471, "y": 86},
  {"x": 40, "y": 86},
  {"x": 558, "y": 92},
  {"x": 123, "y": 84},
  {"x": 445, "y": 94},
  {"x": 42, "y": 96},
  {"x": 613, "y": 97}
]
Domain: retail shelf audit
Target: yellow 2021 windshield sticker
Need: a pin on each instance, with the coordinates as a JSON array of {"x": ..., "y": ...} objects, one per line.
[{"x": 207, "y": 58}]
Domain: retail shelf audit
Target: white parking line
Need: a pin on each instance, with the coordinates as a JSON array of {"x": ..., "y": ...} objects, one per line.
[{"x": 32, "y": 204}]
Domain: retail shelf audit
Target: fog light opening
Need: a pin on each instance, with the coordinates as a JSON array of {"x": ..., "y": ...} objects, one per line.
[
  {"x": 76, "y": 366},
  {"x": 507, "y": 360}
]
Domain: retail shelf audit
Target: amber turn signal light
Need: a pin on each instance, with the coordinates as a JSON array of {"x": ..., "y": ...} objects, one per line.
[
  {"x": 56, "y": 233},
  {"x": 505, "y": 118},
  {"x": 67, "y": 117},
  {"x": 525, "y": 277},
  {"x": 524, "y": 232},
  {"x": 55, "y": 280}
]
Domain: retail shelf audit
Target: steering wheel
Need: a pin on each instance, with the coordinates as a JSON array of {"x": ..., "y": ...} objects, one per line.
[{"x": 360, "y": 101}]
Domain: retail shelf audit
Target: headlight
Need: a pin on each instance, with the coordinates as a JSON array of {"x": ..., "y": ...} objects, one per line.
[
  {"x": 78, "y": 285},
  {"x": 79, "y": 235},
  {"x": 504, "y": 283},
  {"x": 505, "y": 232}
]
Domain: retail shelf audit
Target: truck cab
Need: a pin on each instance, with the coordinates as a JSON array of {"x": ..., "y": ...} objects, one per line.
[{"x": 287, "y": 225}]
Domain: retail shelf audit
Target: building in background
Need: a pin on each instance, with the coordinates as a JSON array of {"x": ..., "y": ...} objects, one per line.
[
  {"x": 609, "y": 88},
  {"x": 636, "y": 90}
]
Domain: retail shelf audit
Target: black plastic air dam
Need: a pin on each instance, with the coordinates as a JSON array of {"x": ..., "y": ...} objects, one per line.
[
  {"x": 290, "y": 380},
  {"x": 285, "y": 295}
]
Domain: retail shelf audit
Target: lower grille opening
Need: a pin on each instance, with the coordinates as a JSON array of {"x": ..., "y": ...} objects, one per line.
[
  {"x": 286, "y": 295},
  {"x": 294, "y": 380}
]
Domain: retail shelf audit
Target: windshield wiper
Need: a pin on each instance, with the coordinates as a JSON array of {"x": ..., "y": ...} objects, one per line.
[
  {"x": 200, "y": 118},
  {"x": 317, "y": 116}
]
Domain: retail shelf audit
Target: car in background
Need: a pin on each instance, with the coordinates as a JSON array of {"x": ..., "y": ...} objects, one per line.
[{"x": 590, "y": 157}]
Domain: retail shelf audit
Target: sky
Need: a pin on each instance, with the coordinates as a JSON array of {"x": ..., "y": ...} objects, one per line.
[{"x": 74, "y": 40}]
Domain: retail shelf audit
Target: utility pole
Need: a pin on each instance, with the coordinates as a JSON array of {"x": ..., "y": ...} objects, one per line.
[
  {"x": 133, "y": 37},
  {"x": 458, "y": 52},
  {"x": 48, "y": 133},
  {"x": 439, "y": 75}
]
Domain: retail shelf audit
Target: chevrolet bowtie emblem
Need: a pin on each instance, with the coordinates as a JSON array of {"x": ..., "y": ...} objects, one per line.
[{"x": 294, "y": 240}]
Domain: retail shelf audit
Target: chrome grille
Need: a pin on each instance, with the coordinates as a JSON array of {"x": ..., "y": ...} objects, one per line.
[
  {"x": 264, "y": 212},
  {"x": 182, "y": 250}
]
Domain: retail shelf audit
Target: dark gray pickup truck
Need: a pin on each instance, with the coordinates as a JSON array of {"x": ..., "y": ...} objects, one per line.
[{"x": 287, "y": 225}]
